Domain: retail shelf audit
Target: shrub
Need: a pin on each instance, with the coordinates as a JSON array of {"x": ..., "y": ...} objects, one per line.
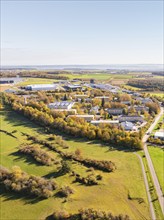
[
  {"x": 21, "y": 182},
  {"x": 38, "y": 154},
  {"x": 87, "y": 214},
  {"x": 66, "y": 191}
]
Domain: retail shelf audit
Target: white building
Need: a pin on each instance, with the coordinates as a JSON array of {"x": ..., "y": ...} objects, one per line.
[
  {"x": 128, "y": 126},
  {"x": 159, "y": 134},
  {"x": 61, "y": 105},
  {"x": 40, "y": 87}
]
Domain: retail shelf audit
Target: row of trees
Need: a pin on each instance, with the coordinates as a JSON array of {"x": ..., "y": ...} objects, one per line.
[
  {"x": 21, "y": 182},
  {"x": 87, "y": 214},
  {"x": 104, "y": 165},
  {"x": 38, "y": 154},
  {"x": 37, "y": 74}
]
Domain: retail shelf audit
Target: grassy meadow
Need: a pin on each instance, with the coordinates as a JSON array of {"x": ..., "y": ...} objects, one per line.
[
  {"x": 157, "y": 156},
  {"x": 110, "y": 195}
]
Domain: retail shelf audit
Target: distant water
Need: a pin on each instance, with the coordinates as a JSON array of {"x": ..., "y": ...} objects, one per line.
[{"x": 137, "y": 67}]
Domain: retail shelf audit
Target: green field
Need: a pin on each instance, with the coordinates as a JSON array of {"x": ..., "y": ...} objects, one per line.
[
  {"x": 157, "y": 94},
  {"x": 131, "y": 88},
  {"x": 159, "y": 125},
  {"x": 31, "y": 81},
  {"x": 111, "y": 195},
  {"x": 96, "y": 76},
  {"x": 157, "y": 156}
]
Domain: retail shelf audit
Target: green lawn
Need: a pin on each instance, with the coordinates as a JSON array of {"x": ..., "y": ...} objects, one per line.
[
  {"x": 159, "y": 125},
  {"x": 111, "y": 195},
  {"x": 157, "y": 156}
]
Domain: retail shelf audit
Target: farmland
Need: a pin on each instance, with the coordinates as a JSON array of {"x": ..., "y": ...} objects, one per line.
[{"x": 113, "y": 191}]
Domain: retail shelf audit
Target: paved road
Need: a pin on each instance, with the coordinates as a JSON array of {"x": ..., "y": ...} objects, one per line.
[
  {"x": 147, "y": 188},
  {"x": 150, "y": 164}
]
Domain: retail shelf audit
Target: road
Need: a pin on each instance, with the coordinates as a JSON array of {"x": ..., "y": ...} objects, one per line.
[
  {"x": 150, "y": 164},
  {"x": 147, "y": 188}
]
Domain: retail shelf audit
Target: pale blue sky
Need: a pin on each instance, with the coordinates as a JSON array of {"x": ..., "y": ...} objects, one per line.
[{"x": 81, "y": 32}]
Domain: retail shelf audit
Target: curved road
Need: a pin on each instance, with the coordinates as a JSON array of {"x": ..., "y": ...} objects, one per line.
[{"x": 150, "y": 164}]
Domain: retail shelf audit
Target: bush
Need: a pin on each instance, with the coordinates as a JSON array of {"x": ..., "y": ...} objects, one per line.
[
  {"x": 21, "y": 182},
  {"x": 66, "y": 191},
  {"x": 38, "y": 154}
]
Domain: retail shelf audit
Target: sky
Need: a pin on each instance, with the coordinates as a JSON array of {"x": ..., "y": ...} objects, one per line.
[{"x": 81, "y": 32}]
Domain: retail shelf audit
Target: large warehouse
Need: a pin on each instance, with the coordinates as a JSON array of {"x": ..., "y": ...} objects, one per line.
[{"x": 39, "y": 87}]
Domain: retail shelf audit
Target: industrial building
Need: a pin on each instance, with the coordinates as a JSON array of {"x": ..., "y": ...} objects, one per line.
[
  {"x": 131, "y": 118},
  {"x": 40, "y": 87},
  {"x": 72, "y": 87}
]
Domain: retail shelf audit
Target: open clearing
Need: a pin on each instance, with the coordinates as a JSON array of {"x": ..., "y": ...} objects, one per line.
[{"x": 111, "y": 195}]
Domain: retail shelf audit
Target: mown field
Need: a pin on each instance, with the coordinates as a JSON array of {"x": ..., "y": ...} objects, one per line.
[
  {"x": 157, "y": 156},
  {"x": 111, "y": 195}
]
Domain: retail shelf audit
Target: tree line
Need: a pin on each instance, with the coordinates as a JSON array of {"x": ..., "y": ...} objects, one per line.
[
  {"x": 37, "y": 74},
  {"x": 104, "y": 165},
  {"x": 38, "y": 154}
]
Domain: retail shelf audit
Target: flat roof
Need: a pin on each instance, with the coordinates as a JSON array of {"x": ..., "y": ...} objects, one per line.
[
  {"x": 64, "y": 103},
  {"x": 159, "y": 134},
  {"x": 42, "y": 85},
  {"x": 105, "y": 121},
  {"x": 82, "y": 115}
]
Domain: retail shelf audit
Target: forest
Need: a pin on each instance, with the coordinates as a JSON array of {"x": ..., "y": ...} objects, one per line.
[{"x": 148, "y": 84}]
